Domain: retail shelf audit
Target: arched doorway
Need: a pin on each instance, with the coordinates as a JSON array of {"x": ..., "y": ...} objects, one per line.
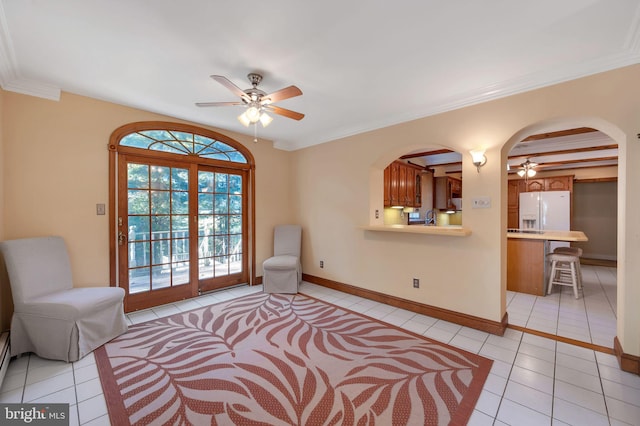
[{"x": 539, "y": 316}]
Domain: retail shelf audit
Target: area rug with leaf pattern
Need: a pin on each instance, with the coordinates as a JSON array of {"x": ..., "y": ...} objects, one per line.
[{"x": 276, "y": 359}]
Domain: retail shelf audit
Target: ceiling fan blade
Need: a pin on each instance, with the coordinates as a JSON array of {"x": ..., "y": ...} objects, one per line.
[
  {"x": 229, "y": 85},
  {"x": 279, "y": 95},
  {"x": 285, "y": 112},
  {"x": 215, "y": 104}
]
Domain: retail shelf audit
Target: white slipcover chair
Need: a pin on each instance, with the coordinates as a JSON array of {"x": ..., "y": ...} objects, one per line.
[
  {"x": 283, "y": 272},
  {"x": 51, "y": 318}
]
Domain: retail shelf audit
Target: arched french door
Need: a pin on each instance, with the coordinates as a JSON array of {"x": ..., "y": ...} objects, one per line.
[{"x": 181, "y": 212}]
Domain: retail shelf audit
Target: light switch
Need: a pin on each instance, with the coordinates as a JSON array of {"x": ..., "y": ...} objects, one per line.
[
  {"x": 481, "y": 203},
  {"x": 100, "y": 209}
]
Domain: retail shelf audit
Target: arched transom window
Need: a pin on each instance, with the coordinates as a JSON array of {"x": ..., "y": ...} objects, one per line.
[{"x": 183, "y": 143}]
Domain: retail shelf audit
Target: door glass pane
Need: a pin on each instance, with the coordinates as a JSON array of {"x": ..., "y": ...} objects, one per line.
[
  {"x": 158, "y": 238},
  {"x": 219, "y": 224}
]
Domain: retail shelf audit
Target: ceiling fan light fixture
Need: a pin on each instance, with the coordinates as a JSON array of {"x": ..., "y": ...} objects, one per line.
[
  {"x": 265, "y": 119},
  {"x": 256, "y": 101},
  {"x": 253, "y": 114},
  {"x": 527, "y": 169},
  {"x": 242, "y": 118}
]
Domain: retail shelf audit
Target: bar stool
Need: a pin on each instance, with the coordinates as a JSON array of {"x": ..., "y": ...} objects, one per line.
[
  {"x": 563, "y": 271},
  {"x": 574, "y": 251}
]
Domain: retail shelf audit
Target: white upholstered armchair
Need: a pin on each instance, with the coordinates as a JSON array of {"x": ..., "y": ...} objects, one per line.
[
  {"x": 52, "y": 318},
  {"x": 282, "y": 272}
]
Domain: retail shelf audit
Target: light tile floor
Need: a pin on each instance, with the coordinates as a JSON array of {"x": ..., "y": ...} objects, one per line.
[
  {"x": 591, "y": 318},
  {"x": 533, "y": 381}
]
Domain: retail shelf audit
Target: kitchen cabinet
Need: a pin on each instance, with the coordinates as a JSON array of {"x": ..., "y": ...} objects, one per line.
[
  {"x": 559, "y": 183},
  {"x": 387, "y": 186},
  {"x": 444, "y": 189},
  {"x": 525, "y": 266},
  {"x": 513, "y": 203},
  {"x": 516, "y": 186},
  {"x": 402, "y": 185},
  {"x": 526, "y": 259},
  {"x": 533, "y": 185}
]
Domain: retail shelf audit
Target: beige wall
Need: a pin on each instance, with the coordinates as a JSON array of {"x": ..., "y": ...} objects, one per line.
[
  {"x": 56, "y": 171},
  {"x": 340, "y": 187}
]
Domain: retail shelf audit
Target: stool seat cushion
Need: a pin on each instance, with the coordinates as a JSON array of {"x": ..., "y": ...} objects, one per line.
[
  {"x": 575, "y": 251},
  {"x": 561, "y": 257}
]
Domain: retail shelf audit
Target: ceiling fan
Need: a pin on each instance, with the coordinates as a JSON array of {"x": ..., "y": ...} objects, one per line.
[
  {"x": 527, "y": 169},
  {"x": 256, "y": 101}
]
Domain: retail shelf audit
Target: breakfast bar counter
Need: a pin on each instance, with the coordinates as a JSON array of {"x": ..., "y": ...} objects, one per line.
[
  {"x": 526, "y": 258},
  {"x": 547, "y": 235}
]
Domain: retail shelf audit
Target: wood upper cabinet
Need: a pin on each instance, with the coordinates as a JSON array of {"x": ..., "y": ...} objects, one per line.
[
  {"x": 533, "y": 185},
  {"x": 401, "y": 185},
  {"x": 387, "y": 186},
  {"x": 418, "y": 186},
  {"x": 394, "y": 195},
  {"x": 456, "y": 188},
  {"x": 444, "y": 189},
  {"x": 559, "y": 183}
]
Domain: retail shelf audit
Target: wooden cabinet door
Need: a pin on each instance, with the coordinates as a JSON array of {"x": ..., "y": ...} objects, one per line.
[
  {"x": 513, "y": 217},
  {"x": 387, "y": 186},
  {"x": 394, "y": 195},
  {"x": 411, "y": 186},
  {"x": 402, "y": 185},
  {"x": 534, "y": 185},
  {"x": 513, "y": 194},
  {"x": 559, "y": 183},
  {"x": 418, "y": 188},
  {"x": 456, "y": 188}
]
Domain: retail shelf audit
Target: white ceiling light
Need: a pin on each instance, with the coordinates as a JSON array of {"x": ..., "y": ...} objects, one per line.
[{"x": 253, "y": 114}]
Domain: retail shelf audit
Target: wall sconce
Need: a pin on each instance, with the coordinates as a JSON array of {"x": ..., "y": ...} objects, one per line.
[{"x": 478, "y": 157}]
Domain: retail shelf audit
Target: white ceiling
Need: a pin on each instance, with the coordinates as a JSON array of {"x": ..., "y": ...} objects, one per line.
[{"x": 361, "y": 65}]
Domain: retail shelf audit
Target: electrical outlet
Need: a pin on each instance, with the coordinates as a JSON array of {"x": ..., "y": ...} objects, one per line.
[
  {"x": 377, "y": 214},
  {"x": 416, "y": 283},
  {"x": 322, "y": 263}
]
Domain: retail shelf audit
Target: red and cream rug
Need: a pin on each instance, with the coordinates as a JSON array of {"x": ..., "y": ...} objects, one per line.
[{"x": 275, "y": 359}]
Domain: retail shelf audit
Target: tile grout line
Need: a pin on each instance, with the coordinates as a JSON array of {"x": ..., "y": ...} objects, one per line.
[
  {"x": 604, "y": 396},
  {"x": 75, "y": 391},
  {"x": 555, "y": 367},
  {"x": 26, "y": 374},
  {"x": 495, "y": 419}
]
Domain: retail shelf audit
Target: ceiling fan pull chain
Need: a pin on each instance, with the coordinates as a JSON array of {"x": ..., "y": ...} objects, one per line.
[{"x": 255, "y": 132}]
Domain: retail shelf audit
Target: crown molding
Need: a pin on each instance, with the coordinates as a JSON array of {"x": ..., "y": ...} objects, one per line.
[
  {"x": 33, "y": 88},
  {"x": 629, "y": 55},
  {"x": 10, "y": 78}
]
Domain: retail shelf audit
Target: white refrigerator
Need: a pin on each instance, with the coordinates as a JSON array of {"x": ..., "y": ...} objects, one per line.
[{"x": 546, "y": 211}]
